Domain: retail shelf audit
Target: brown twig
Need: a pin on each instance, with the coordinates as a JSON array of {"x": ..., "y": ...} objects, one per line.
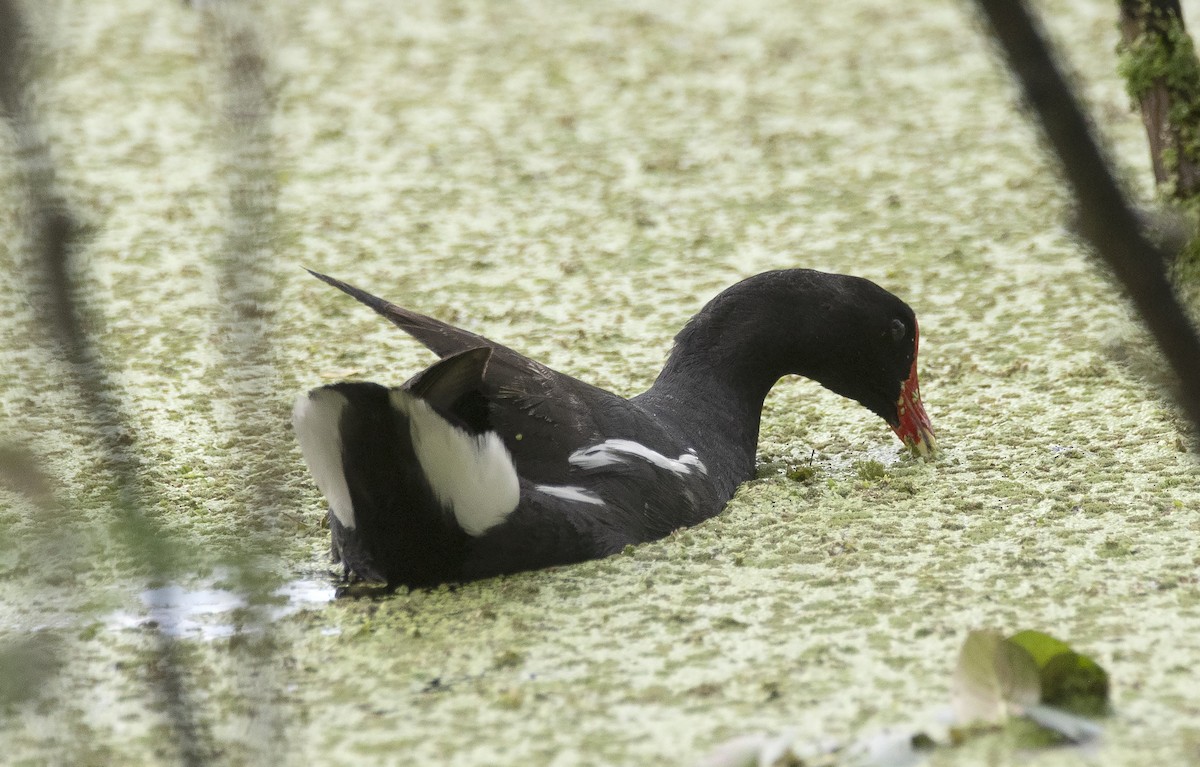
[{"x": 1153, "y": 40}]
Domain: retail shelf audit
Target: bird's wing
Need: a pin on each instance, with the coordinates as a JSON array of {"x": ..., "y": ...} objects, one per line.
[
  {"x": 541, "y": 414},
  {"x": 441, "y": 338}
]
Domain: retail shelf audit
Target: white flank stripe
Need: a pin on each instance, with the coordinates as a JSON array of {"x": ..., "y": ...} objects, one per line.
[
  {"x": 691, "y": 459},
  {"x": 571, "y": 493},
  {"x": 612, "y": 451},
  {"x": 317, "y": 420},
  {"x": 471, "y": 476}
]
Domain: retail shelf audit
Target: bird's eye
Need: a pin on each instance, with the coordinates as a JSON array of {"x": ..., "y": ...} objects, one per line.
[{"x": 899, "y": 330}]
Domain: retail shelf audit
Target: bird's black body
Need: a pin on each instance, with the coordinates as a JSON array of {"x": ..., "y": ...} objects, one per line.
[{"x": 589, "y": 471}]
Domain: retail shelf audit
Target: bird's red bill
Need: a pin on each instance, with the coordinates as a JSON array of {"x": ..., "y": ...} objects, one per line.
[{"x": 915, "y": 429}]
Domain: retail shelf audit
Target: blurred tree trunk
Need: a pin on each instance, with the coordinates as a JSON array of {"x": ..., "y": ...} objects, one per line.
[{"x": 1162, "y": 73}]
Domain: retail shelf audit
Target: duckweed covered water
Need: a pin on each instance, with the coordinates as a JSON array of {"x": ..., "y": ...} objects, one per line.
[{"x": 575, "y": 181}]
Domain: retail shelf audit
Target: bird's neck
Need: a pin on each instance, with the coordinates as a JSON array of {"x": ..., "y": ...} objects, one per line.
[{"x": 718, "y": 407}]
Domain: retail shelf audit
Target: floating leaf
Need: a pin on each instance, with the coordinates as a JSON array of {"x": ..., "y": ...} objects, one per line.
[
  {"x": 1042, "y": 647},
  {"x": 1075, "y": 683},
  {"x": 1069, "y": 681},
  {"x": 1013, "y": 691},
  {"x": 992, "y": 676}
]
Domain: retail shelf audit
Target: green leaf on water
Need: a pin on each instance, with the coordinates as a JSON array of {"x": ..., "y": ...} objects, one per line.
[
  {"x": 1069, "y": 681},
  {"x": 991, "y": 678},
  {"x": 1027, "y": 692},
  {"x": 1042, "y": 647}
]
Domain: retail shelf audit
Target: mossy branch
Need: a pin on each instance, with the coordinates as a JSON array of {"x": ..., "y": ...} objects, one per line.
[{"x": 1162, "y": 74}]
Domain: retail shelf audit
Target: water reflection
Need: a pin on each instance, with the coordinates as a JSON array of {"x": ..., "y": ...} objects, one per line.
[{"x": 207, "y": 612}]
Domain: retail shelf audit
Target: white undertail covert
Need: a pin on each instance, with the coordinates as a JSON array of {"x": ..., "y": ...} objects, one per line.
[
  {"x": 472, "y": 475},
  {"x": 317, "y": 418}
]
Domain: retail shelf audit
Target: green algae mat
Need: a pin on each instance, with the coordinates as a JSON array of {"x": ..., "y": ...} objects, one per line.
[{"x": 575, "y": 180}]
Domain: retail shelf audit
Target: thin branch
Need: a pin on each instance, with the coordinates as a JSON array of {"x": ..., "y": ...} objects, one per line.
[
  {"x": 245, "y": 288},
  {"x": 53, "y": 241},
  {"x": 1106, "y": 219}
]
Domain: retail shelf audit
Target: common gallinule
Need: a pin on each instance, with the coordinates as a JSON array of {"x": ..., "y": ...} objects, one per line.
[{"x": 489, "y": 462}]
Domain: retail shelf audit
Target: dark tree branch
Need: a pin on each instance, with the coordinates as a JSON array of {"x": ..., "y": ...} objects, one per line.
[
  {"x": 52, "y": 242},
  {"x": 1106, "y": 220}
]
